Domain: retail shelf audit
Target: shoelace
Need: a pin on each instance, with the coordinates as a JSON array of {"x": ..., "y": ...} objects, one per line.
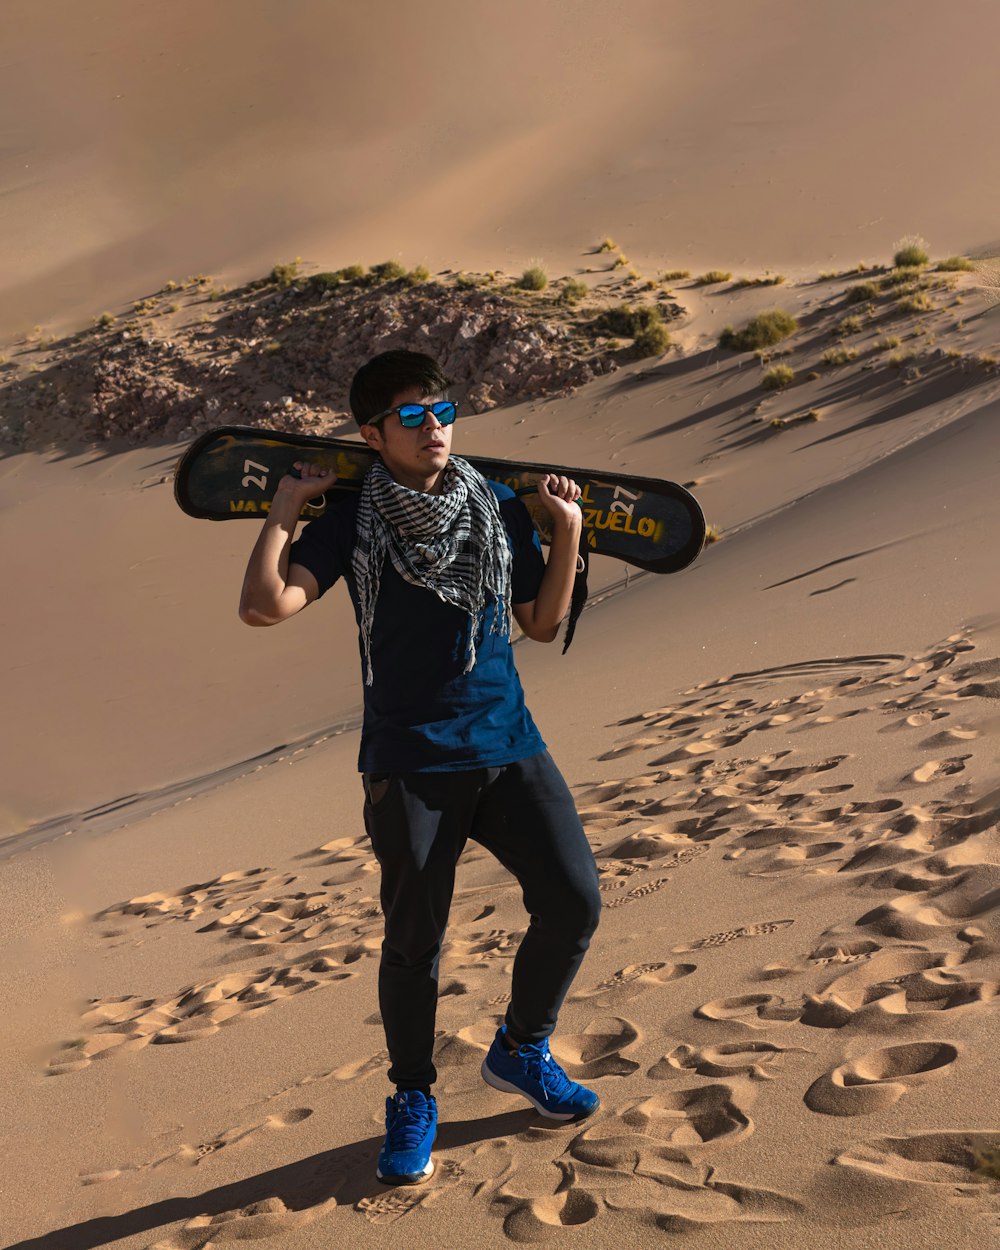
[
  {"x": 407, "y": 1122},
  {"x": 544, "y": 1069}
]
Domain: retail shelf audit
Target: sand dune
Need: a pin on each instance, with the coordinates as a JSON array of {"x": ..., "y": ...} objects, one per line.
[{"x": 141, "y": 149}]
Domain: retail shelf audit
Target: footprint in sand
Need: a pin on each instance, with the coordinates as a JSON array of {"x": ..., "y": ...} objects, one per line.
[
  {"x": 597, "y": 1051},
  {"x": 690, "y": 1120},
  {"x": 634, "y": 979},
  {"x": 389, "y": 1207},
  {"x": 721, "y": 1202},
  {"x": 194, "y": 900},
  {"x": 732, "y": 935},
  {"x": 269, "y": 1217},
  {"x": 945, "y": 1160},
  {"x": 875, "y": 1081},
  {"x": 900, "y": 1000},
  {"x": 939, "y": 768},
  {"x": 191, "y": 1156},
  {"x": 638, "y": 892},
  {"x": 541, "y": 1220},
  {"x": 466, "y": 1047},
  {"x": 758, "y": 1060},
  {"x": 747, "y": 1009},
  {"x": 199, "y": 1011}
]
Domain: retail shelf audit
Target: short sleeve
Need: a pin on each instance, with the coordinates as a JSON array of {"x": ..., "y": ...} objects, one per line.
[
  {"x": 319, "y": 549},
  {"x": 528, "y": 561}
]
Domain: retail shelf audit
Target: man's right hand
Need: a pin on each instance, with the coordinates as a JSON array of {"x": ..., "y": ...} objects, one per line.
[{"x": 312, "y": 481}]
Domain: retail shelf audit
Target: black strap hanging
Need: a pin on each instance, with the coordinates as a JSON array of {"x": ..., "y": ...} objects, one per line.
[{"x": 579, "y": 596}]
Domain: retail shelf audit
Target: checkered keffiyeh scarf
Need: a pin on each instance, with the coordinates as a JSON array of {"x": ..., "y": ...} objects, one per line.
[{"x": 454, "y": 544}]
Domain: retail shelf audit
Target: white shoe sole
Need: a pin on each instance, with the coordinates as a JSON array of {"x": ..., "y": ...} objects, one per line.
[
  {"x": 408, "y": 1179},
  {"x": 505, "y": 1087}
]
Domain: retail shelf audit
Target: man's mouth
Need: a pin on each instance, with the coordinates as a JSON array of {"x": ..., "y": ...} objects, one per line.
[{"x": 434, "y": 446}]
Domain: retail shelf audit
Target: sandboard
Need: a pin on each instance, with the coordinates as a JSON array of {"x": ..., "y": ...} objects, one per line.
[{"x": 232, "y": 472}]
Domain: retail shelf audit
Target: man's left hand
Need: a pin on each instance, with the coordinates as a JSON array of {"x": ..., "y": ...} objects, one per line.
[{"x": 559, "y": 497}]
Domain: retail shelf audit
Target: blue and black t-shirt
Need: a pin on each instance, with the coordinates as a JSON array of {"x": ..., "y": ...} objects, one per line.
[{"x": 424, "y": 713}]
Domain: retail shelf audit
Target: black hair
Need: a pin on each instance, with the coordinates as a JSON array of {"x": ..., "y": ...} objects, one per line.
[{"x": 377, "y": 383}]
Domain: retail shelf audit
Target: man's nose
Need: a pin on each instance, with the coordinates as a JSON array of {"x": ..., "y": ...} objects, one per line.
[{"x": 431, "y": 422}]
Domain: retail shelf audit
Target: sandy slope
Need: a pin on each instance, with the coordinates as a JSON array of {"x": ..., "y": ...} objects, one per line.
[
  {"x": 157, "y": 684},
  {"x": 140, "y": 146},
  {"x": 784, "y": 759}
]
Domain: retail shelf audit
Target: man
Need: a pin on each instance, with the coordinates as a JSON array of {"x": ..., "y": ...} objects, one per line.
[{"x": 436, "y": 560}]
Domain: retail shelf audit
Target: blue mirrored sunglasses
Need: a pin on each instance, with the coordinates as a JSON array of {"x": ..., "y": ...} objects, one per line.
[{"x": 412, "y": 415}]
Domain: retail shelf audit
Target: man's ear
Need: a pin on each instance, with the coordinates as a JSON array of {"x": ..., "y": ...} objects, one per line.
[{"x": 372, "y": 436}]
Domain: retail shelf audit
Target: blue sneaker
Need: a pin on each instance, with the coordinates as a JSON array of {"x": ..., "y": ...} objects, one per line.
[
  {"x": 533, "y": 1072},
  {"x": 410, "y": 1129}
]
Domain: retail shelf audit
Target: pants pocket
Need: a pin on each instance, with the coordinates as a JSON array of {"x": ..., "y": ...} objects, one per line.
[{"x": 376, "y": 787}]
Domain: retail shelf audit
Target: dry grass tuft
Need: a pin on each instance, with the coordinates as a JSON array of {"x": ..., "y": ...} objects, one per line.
[
  {"x": 839, "y": 355},
  {"x": 777, "y": 378},
  {"x": 533, "y": 279},
  {"x": 911, "y": 250},
  {"x": 766, "y": 329}
]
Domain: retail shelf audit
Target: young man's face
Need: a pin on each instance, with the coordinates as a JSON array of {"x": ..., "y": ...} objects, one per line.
[{"x": 414, "y": 455}]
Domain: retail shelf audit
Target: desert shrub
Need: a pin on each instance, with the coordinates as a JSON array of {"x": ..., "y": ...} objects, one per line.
[
  {"x": 388, "y": 271},
  {"x": 861, "y": 293},
  {"x": 910, "y": 251},
  {"x": 777, "y": 377},
  {"x": 652, "y": 340},
  {"x": 712, "y": 534},
  {"x": 764, "y": 330},
  {"x": 953, "y": 263},
  {"x": 283, "y": 275},
  {"x": 353, "y": 273},
  {"x": 899, "y": 359},
  {"x": 848, "y": 325},
  {"x": 466, "y": 281},
  {"x": 419, "y": 273},
  {"x": 887, "y": 343},
  {"x": 643, "y": 325},
  {"x": 713, "y": 276},
  {"x": 321, "y": 283},
  {"x": 621, "y": 260},
  {"x": 106, "y": 319},
  {"x": 767, "y": 280},
  {"x": 573, "y": 290},
  {"x": 917, "y": 302},
  {"x": 675, "y": 275},
  {"x": 608, "y": 245},
  {"x": 900, "y": 277},
  {"x": 533, "y": 279},
  {"x": 783, "y": 423},
  {"x": 838, "y": 355}
]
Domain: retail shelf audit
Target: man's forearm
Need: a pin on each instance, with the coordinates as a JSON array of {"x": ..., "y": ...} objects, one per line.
[
  {"x": 267, "y": 569},
  {"x": 554, "y": 594}
]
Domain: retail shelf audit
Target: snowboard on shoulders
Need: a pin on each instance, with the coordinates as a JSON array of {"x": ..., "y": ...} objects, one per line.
[{"x": 232, "y": 472}]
